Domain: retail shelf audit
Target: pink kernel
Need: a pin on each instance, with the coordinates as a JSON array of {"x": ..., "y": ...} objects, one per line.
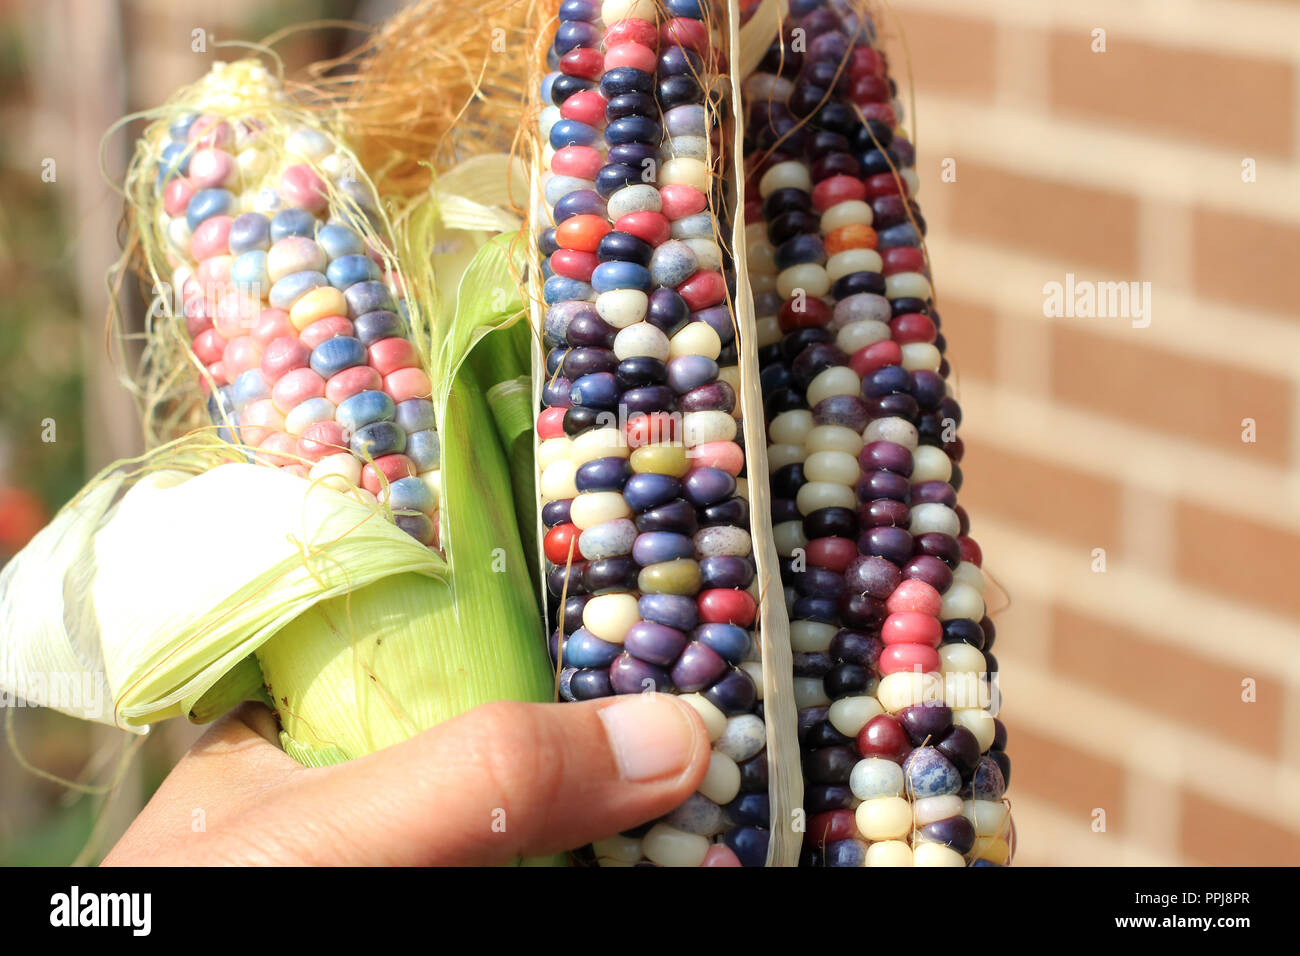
[
  {"x": 350, "y": 381},
  {"x": 911, "y": 627},
  {"x": 300, "y": 186},
  {"x": 210, "y": 168},
  {"x": 718, "y": 454},
  {"x": 913, "y": 658},
  {"x": 213, "y": 273},
  {"x": 194, "y": 324},
  {"x": 720, "y": 855},
  {"x": 233, "y": 312},
  {"x": 320, "y": 439},
  {"x": 271, "y": 324},
  {"x": 635, "y": 55},
  {"x": 278, "y": 448},
  {"x": 295, "y": 387},
  {"x": 389, "y": 355},
  {"x": 390, "y": 467},
  {"x": 587, "y": 106},
  {"x": 580, "y": 161},
  {"x": 258, "y": 419},
  {"x": 240, "y": 355},
  {"x": 681, "y": 201},
  {"x": 177, "y": 195},
  {"x": 211, "y": 131},
  {"x": 283, "y": 356},
  {"x": 915, "y": 595},
  {"x": 326, "y": 328},
  {"x": 209, "y": 347},
  {"x": 408, "y": 383}
]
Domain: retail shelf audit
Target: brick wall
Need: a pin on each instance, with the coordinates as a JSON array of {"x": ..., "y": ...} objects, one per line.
[{"x": 1124, "y": 687}]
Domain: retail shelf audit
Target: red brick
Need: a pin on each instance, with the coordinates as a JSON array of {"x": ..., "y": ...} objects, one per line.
[
  {"x": 1047, "y": 499},
  {"x": 1078, "y": 225},
  {"x": 1236, "y": 558},
  {"x": 947, "y": 52},
  {"x": 1175, "y": 395},
  {"x": 1175, "y": 683},
  {"x": 1246, "y": 260},
  {"x": 1221, "y": 835},
  {"x": 1242, "y": 104},
  {"x": 1073, "y": 781}
]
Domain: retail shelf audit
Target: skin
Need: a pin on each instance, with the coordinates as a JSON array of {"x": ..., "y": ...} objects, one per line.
[{"x": 558, "y": 775}]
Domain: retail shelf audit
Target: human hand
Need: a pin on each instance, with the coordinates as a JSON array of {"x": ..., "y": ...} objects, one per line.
[{"x": 554, "y": 776}]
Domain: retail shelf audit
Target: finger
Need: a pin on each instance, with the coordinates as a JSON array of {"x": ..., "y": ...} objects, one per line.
[
  {"x": 227, "y": 770},
  {"x": 509, "y": 780}
]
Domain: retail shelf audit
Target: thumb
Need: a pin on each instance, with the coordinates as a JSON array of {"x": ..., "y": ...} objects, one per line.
[{"x": 508, "y": 779}]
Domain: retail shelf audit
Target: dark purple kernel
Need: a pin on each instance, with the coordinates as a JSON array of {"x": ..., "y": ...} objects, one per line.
[
  {"x": 861, "y": 612},
  {"x": 810, "y": 664},
  {"x": 956, "y": 832},
  {"x": 733, "y": 694},
  {"x": 556, "y": 512},
  {"x": 829, "y": 765},
  {"x": 892, "y": 544},
  {"x": 646, "y": 491},
  {"x": 939, "y": 545},
  {"x": 819, "y": 799},
  {"x": 733, "y": 511},
  {"x": 846, "y": 680},
  {"x": 930, "y": 570},
  {"x": 707, "y": 486},
  {"x": 823, "y": 734},
  {"x": 610, "y": 574},
  {"x": 963, "y": 631},
  {"x": 667, "y": 311},
  {"x": 749, "y": 844},
  {"x": 639, "y": 371},
  {"x": 697, "y": 667},
  {"x": 586, "y": 361},
  {"x": 676, "y": 516},
  {"x": 847, "y": 410},
  {"x": 629, "y": 675},
  {"x": 753, "y": 774},
  {"x": 556, "y": 576},
  {"x": 896, "y": 405},
  {"x": 872, "y": 575},
  {"x": 936, "y": 492},
  {"x": 925, "y": 722},
  {"x": 855, "y": 647},
  {"x": 884, "y": 512},
  {"x": 591, "y": 683},
  {"x": 672, "y": 610},
  {"x": 726, "y": 571},
  {"x": 873, "y": 485}
]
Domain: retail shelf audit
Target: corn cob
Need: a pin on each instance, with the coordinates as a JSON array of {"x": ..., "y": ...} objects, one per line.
[
  {"x": 648, "y": 543},
  {"x": 295, "y": 318},
  {"x": 293, "y": 310},
  {"x": 883, "y": 582}
]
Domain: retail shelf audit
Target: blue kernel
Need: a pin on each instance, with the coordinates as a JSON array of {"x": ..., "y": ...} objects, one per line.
[
  {"x": 334, "y": 355},
  {"x": 249, "y": 269},
  {"x": 609, "y": 276},
  {"x": 572, "y": 133},
  {"x": 654, "y": 547},
  {"x": 250, "y": 231},
  {"x": 293, "y": 222},
  {"x": 424, "y": 448},
  {"x": 378, "y": 439},
  {"x": 293, "y": 287},
  {"x": 561, "y": 289},
  {"x": 346, "y": 271},
  {"x": 645, "y": 491},
  {"x": 584, "y": 649},
  {"x": 364, "y": 408},
  {"x": 207, "y": 203},
  {"x": 415, "y": 415},
  {"x": 380, "y": 324},
  {"x": 410, "y": 494},
  {"x": 339, "y": 241},
  {"x": 368, "y": 296}
]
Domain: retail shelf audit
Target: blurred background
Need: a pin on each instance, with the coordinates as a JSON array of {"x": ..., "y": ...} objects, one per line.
[{"x": 1133, "y": 480}]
